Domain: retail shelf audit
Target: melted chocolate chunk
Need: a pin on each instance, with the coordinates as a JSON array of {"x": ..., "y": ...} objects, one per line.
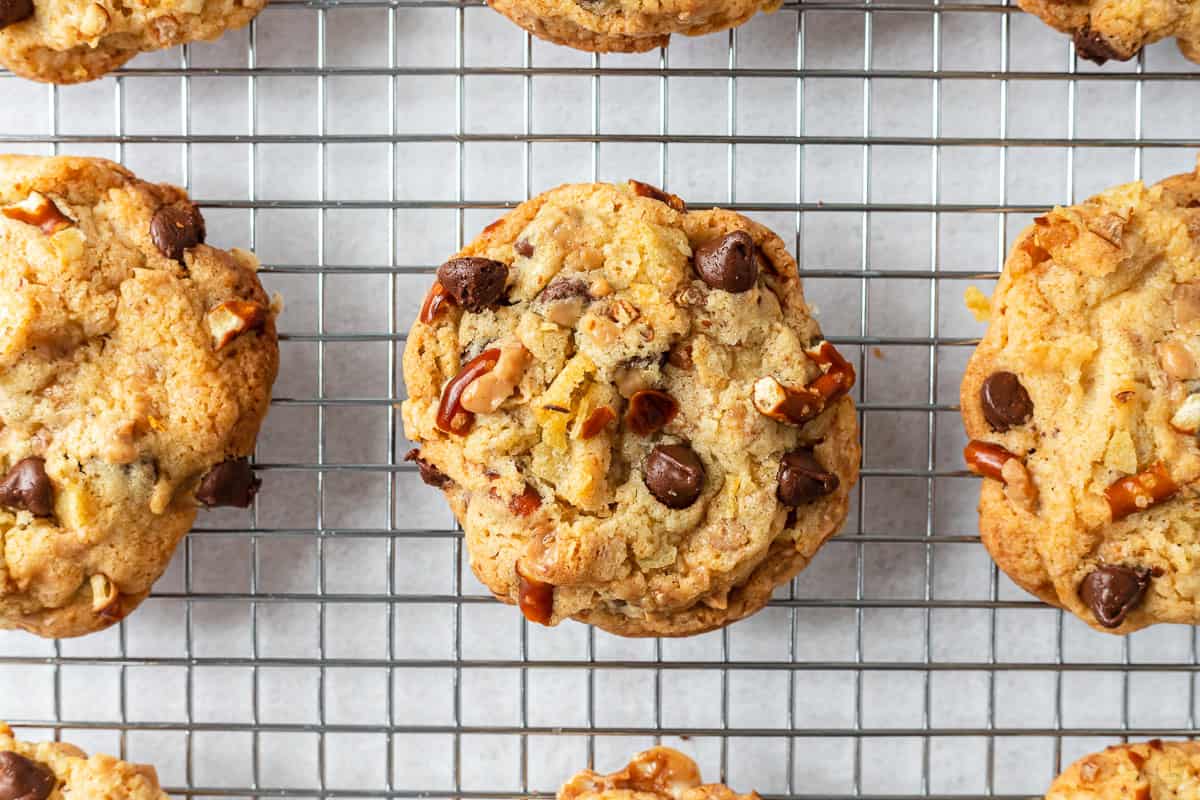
[
  {"x": 674, "y": 474},
  {"x": 474, "y": 283},
  {"x": 175, "y": 230},
  {"x": 728, "y": 263},
  {"x": 28, "y": 487},
  {"x": 1005, "y": 402},
  {"x": 802, "y": 479},
  {"x": 1112, "y": 591},
  {"x": 24, "y": 779},
  {"x": 431, "y": 475},
  {"x": 230, "y": 483}
]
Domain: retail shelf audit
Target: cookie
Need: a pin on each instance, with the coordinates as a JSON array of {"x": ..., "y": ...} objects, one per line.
[
  {"x": 55, "y": 770},
  {"x": 136, "y": 365},
  {"x": 626, "y": 26},
  {"x": 631, "y": 411},
  {"x": 1153, "y": 770},
  {"x": 69, "y": 41},
  {"x": 1083, "y": 405},
  {"x": 659, "y": 772},
  {"x": 1119, "y": 29}
]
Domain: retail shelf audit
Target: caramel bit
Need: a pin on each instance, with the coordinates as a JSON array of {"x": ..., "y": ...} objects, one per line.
[
  {"x": 492, "y": 388},
  {"x": 1177, "y": 361},
  {"x": 1138, "y": 492},
  {"x": 39, "y": 210},
  {"x": 437, "y": 297},
  {"x": 535, "y": 598},
  {"x": 1136, "y": 758},
  {"x": 986, "y": 459},
  {"x": 798, "y": 406},
  {"x": 597, "y": 421},
  {"x": 233, "y": 318},
  {"x": 1187, "y": 417},
  {"x": 1109, "y": 227},
  {"x": 654, "y": 193},
  {"x": 526, "y": 502},
  {"x": 451, "y": 416},
  {"x": 1037, "y": 254},
  {"x": 650, "y": 411}
]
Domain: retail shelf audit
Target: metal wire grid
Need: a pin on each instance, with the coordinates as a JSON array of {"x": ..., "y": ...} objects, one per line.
[{"x": 1011, "y": 757}]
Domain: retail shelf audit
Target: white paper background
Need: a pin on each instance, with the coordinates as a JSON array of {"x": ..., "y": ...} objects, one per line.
[{"x": 324, "y": 686}]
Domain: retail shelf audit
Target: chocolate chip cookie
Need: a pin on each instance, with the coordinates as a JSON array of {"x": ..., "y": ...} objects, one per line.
[
  {"x": 659, "y": 773},
  {"x": 69, "y": 41},
  {"x": 631, "y": 411},
  {"x": 136, "y": 364},
  {"x": 1119, "y": 29},
  {"x": 1147, "y": 771},
  {"x": 626, "y": 26},
  {"x": 1082, "y": 404},
  {"x": 57, "y": 770}
]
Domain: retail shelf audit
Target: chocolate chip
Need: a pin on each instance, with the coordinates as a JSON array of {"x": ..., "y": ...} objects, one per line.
[
  {"x": 230, "y": 483},
  {"x": 1112, "y": 591},
  {"x": 24, "y": 779},
  {"x": 14, "y": 11},
  {"x": 474, "y": 283},
  {"x": 1005, "y": 401},
  {"x": 1091, "y": 45},
  {"x": 28, "y": 486},
  {"x": 674, "y": 474},
  {"x": 431, "y": 475},
  {"x": 564, "y": 289},
  {"x": 802, "y": 479},
  {"x": 523, "y": 248},
  {"x": 728, "y": 263},
  {"x": 176, "y": 229}
]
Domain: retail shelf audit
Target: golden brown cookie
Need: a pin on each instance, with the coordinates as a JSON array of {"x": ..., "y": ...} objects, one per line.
[
  {"x": 1153, "y": 770},
  {"x": 625, "y": 26},
  {"x": 1119, "y": 29},
  {"x": 1083, "y": 405},
  {"x": 631, "y": 411},
  {"x": 136, "y": 365},
  {"x": 57, "y": 770},
  {"x": 68, "y": 41},
  {"x": 659, "y": 773}
]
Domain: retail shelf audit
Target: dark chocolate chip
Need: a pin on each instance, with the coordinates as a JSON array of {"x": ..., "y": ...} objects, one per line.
[
  {"x": 728, "y": 263},
  {"x": 14, "y": 11},
  {"x": 565, "y": 289},
  {"x": 802, "y": 479},
  {"x": 176, "y": 229},
  {"x": 24, "y": 779},
  {"x": 230, "y": 483},
  {"x": 1094, "y": 47},
  {"x": 28, "y": 486},
  {"x": 1005, "y": 402},
  {"x": 1112, "y": 591},
  {"x": 674, "y": 474},
  {"x": 523, "y": 248},
  {"x": 475, "y": 283},
  {"x": 429, "y": 473}
]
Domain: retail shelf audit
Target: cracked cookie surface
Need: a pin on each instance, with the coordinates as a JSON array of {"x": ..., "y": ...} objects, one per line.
[
  {"x": 69, "y": 41},
  {"x": 627, "y": 26},
  {"x": 57, "y": 770},
  {"x": 1119, "y": 29},
  {"x": 136, "y": 365},
  {"x": 659, "y": 773},
  {"x": 1153, "y": 770},
  {"x": 631, "y": 411},
  {"x": 1083, "y": 405}
]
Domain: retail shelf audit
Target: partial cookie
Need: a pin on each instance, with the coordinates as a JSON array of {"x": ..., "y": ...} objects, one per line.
[
  {"x": 69, "y": 41},
  {"x": 631, "y": 411},
  {"x": 659, "y": 773},
  {"x": 136, "y": 365},
  {"x": 56, "y": 770},
  {"x": 1083, "y": 404},
  {"x": 1154, "y": 770},
  {"x": 626, "y": 26},
  {"x": 1119, "y": 29}
]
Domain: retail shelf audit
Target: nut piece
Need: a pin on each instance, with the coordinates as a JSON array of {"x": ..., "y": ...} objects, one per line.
[
  {"x": 39, "y": 210},
  {"x": 1139, "y": 492},
  {"x": 1187, "y": 417},
  {"x": 623, "y": 312},
  {"x": 986, "y": 459},
  {"x": 233, "y": 318},
  {"x": 485, "y": 394},
  {"x": 106, "y": 600},
  {"x": 1176, "y": 361},
  {"x": 1018, "y": 485}
]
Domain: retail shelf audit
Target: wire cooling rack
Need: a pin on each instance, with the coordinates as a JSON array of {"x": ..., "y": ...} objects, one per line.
[{"x": 332, "y": 642}]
